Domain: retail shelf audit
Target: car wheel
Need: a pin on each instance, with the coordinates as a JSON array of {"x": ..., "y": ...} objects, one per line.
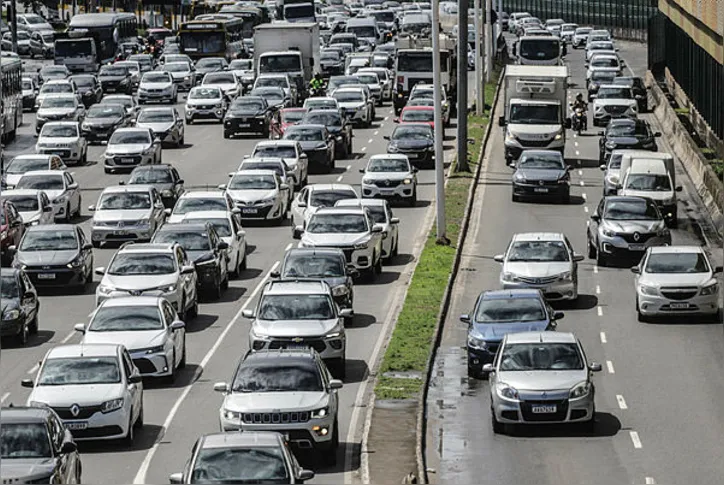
[
  {"x": 216, "y": 289},
  {"x": 172, "y": 376},
  {"x": 378, "y": 266},
  {"x": 514, "y": 197},
  {"x": 182, "y": 141},
  {"x": 242, "y": 265},
  {"x": 227, "y": 134},
  {"x": 474, "y": 373},
  {"x": 22, "y": 337},
  {"x": 189, "y": 121},
  {"x": 84, "y": 158},
  {"x": 412, "y": 201},
  {"x": 498, "y": 427},
  {"x": 396, "y": 247},
  {"x": 591, "y": 250},
  {"x": 590, "y": 425},
  {"x": 194, "y": 310},
  {"x": 68, "y": 215},
  {"x": 139, "y": 420},
  {"x": 640, "y": 316},
  {"x": 182, "y": 362},
  {"x": 338, "y": 367},
  {"x": 33, "y": 327},
  {"x": 130, "y": 436}
]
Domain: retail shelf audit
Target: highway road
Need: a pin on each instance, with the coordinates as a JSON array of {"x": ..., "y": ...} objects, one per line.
[
  {"x": 659, "y": 398},
  {"x": 176, "y": 416}
]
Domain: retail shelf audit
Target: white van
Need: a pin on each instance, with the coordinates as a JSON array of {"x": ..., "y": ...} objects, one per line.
[
  {"x": 651, "y": 177},
  {"x": 365, "y": 28}
]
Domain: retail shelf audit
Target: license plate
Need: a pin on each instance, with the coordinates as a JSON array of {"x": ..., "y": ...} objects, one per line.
[
  {"x": 678, "y": 306},
  {"x": 76, "y": 425},
  {"x": 248, "y": 211},
  {"x": 387, "y": 191},
  {"x": 541, "y": 190},
  {"x": 544, "y": 409},
  {"x": 126, "y": 160},
  {"x": 244, "y": 125},
  {"x": 636, "y": 247},
  {"x": 120, "y": 233},
  {"x": 46, "y": 276}
]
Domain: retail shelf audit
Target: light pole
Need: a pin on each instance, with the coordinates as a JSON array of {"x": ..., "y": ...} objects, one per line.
[
  {"x": 437, "y": 94},
  {"x": 479, "y": 90},
  {"x": 462, "y": 102}
]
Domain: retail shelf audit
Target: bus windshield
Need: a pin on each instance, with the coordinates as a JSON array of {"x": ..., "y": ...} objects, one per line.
[
  {"x": 203, "y": 42},
  {"x": 73, "y": 48}
]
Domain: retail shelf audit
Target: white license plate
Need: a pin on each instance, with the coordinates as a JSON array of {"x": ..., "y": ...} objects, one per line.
[
  {"x": 126, "y": 160},
  {"x": 679, "y": 306},
  {"x": 244, "y": 125},
  {"x": 636, "y": 247},
  {"x": 412, "y": 155},
  {"x": 76, "y": 425},
  {"x": 120, "y": 233},
  {"x": 387, "y": 191},
  {"x": 248, "y": 211},
  {"x": 46, "y": 276},
  {"x": 544, "y": 409},
  {"x": 541, "y": 190}
]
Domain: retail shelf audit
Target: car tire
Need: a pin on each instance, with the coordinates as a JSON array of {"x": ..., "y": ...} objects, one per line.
[
  {"x": 68, "y": 215},
  {"x": 498, "y": 427},
  {"x": 600, "y": 258},
  {"x": 395, "y": 248},
  {"x": 241, "y": 265},
  {"x": 514, "y": 197},
  {"x": 182, "y": 362},
  {"x": 189, "y": 121},
  {"x": 22, "y": 337},
  {"x": 84, "y": 158},
  {"x": 329, "y": 453},
  {"x": 171, "y": 378},
  {"x": 378, "y": 266},
  {"x": 130, "y": 435},
  {"x": 194, "y": 310},
  {"x": 227, "y": 134},
  {"x": 181, "y": 142},
  {"x": 640, "y": 316},
  {"x": 139, "y": 420},
  {"x": 412, "y": 201},
  {"x": 591, "y": 251},
  {"x": 216, "y": 290},
  {"x": 33, "y": 327}
]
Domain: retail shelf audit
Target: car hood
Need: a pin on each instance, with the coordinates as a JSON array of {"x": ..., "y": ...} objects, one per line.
[
  {"x": 677, "y": 280},
  {"x": 244, "y": 112},
  {"x": 139, "y": 282},
  {"x": 223, "y": 87},
  {"x": 126, "y": 215},
  {"x": 102, "y": 121},
  {"x": 533, "y": 132},
  {"x": 35, "y": 258},
  {"x": 626, "y": 140},
  {"x": 166, "y": 85},
  {"x": 202, "y": 102},
  {"x": 653, "y": 195},
  {"x": 614, "y": 102},
  {"x": 156, "y": 127},
  {"x": 272, "y": 401},
  {"x": 540, "y": 174},
  {"x": 350, "y": 104},
  {"x": 414, "y": 144},
  {"x": 54, "y": 111},
  {"x": 296, "y": 328},
  {"x": 334, "y": 240},
  {"x": 127, "y": 148},
  {"x": 243, "y": 73},
  {"x": 494, "y": 332},
  {"x": 387, "y": 175},
  {"x": 180, "y": 74},
  {"x": 311, "y": 145},
  {"x": 131, "y": 340},
  {"x": 30, "y": 216},
  {"x": 110, "y": 78},
  {"x": 251, "y": 195},
  {"x": 57, "y": 140},
  {"x": 632, "y": 226},
  {"x": 22, "y": 469},
  {"x": 81, "y": 394},
  {"x": 53, "y": 194},
  {"x": 537, "y": 270},
  {"x": 547, "y": 380}
]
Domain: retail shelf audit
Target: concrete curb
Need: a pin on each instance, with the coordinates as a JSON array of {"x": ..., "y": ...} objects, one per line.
[{"x": 421, "y": 430}]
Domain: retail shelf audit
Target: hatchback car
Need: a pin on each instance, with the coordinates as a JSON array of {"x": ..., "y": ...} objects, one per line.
[
  {"x": 182, "y": 74},
  {"x": 63, "y": 138},
  {"x": 275, "y": 96},
  {"x": 48, "y": 73},
  {"x": 541, "y": 174},
  {"x": 228, "y": 227},
  {"x": 205, "y": 103},
  {"x": 33, "y": 205},
  {"x": 209, "y": 64},
  {"x": 102, "y": 120},
  {"x": 126, "y": 213},
  {"x": 128, "y": 102},
  {"x": 277, "y": 81},
  {"x": 611, "y": 102},
  {"x": 248, "y": 114},
  {"x": 339, "y": 126},
  {"x": 21, "y": 306},
  {"x": 60, "y": 187},
  {"x": 226, "y": 81},
  {"x": 157, "y": 86},
  {"x": 59, "y": 107},
  {"x": 626, "y": 134},
  {"x": 355, "y": 104},
  {"x": 89, "y": 88},
  {"x": 165, "y": 124},
  {"x": 30, "y": 94},
  {"x": 316, "y": 142},
  {"x": 286, "y": 117},
  {"x": 390, "y": 177},
  {"x": 244, "y": 70},
  {"x": 292, "y": 154},
  {"x": 12, "y": 230},
  {"x": 259, "y": 194},
  {"x": 416, "y": 140},
  {"x": 130, "y": 147},
  {"x": 55, "y": 87},
  {"x": 29, "y": 162},
  {"x": 163, "y": 177},
  {"x": 116, "y": 79},
  {"x": 201, "y": 200}
]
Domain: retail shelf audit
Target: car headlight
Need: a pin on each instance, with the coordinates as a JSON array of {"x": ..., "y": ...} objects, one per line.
[
  {"x": 507, "y": 276},
  {"x": 711, "y": 289},
  {"x": 60, "y": 199},
  {"x": 232, "y": 415},
  {"x": 565, "y": 276},
  {"x": 268, "y": 201},
  {"x": 11, "y": 314},
  {"x": 392, "y": 149},
  {"x": 76, "y": 262},
  {"x": 580, "y": 390},
  {"x": 519, "y": 177},
  {"x": 506, "y": 392},
  {"x": 362, "y": 245},
  {"x": 320, "y": 413},
  {"x": 339, "y": 290},
  {"x": 105, "y": 289},
  {"x": 37, "y": 404},
  {"x": 509, "y": 137},
  {"x": 477, "y": 342},
  {"x": 112, "y": 405},
  {"x": 663, "y": 232},
  {"x": 3, "y": 234},
  {"x": 611, "y": 145},
  {"x": 85, "y": 126},
  {"x": 407, "y": 181},
  {"x": 648, "y": 290},
  {"x": 167, "y": 288},
  {"x": 144, "y": 223},
  {"x": 613, "y": 179},
  {"x": 187, "y": 78},
  {"x": 609, "y": 233},
  {"x": 320, "y": 145},
  {"x": 153, "y": 350},
  {"x": 368, "y": 181},
  {"x": 559, "y": 135}
]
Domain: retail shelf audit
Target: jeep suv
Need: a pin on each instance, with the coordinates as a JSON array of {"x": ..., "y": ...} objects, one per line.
[{"x": 288, "y": 391}]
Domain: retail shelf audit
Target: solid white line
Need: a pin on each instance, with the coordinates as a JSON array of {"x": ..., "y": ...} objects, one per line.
[
  {"x": 635, "y": 439},
  {"x": 598, "y": 290},
  {"x": 339, "y": 179},
  {"x": 621, "y": 401},
  {"x": 585, "y": 209},
  {"x": 650, "y": 481},
  {"x": 143, "y": 469},
  {"x": 33, "y": 369},
  {"x": 4, "y": 398},
  {"x": 603, "y": 338},
  {"x": 595, "y": 269},
  {"x": 599, "y": 310},
  {"x": 609, "y": 366}
]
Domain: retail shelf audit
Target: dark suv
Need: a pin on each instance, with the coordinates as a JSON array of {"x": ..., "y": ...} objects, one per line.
[
  {"x": 12, "y": 230},
  {"x": 626, "y": 134},
  {"x": 20, "y": 305}
]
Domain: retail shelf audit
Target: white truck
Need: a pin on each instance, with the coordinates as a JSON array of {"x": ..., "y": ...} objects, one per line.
[
  {"x": 291, "y": 48},
  {"x": 536, "y": 113},
  {"x": 655, "y": 177}
]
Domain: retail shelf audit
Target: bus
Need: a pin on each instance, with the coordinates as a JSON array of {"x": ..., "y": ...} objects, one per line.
[
  {"x": 212, "y": 36},
  {"x": 11, "y": 104},
  {"x": 250, "y": 17},
  {"x": 108, "y": 30}
]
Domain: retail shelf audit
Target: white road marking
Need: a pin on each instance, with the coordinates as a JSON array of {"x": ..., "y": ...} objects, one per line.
[
  {"x": 621, "y": 401},
  {"x": 370, "y": 140},
  {"x": 585, "y": 209},
  {"x": 604, "y": 339},
  {"x": 583, "y": 183},
  {"x": 599, "y": 310},
  {"x": 387, "y": 118},
  {"x": 4, "y": 398},
  {"x": 580, "y": 172},
  {"x": 575, "y": 143},
  {"x": 68, "y": 337},
  {"x": 598, "y": 290},
  {"x": 578, "y": 162},
  {"x": 609, "y": 366},
  {"x": 635, "y": 439},
  {"x": 34, "y": 369},
  {"x": 595, "y": 269},
  {"x": 348, "y": 167},
  {"x": 377, "y": 132},
  {"x": 650, "y": 481},
  {"x": 364, "y": 148},
  {"x": 339, "y": 179},
  {"x": 578, "y": 152},
  {"x": 585, "y": 197},
  {"x": 143, "y": 469}
]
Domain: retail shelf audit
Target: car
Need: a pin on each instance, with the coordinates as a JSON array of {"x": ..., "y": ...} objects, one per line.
[
  {"x": 626, "y": 133},
  {"x": 163, "y": 177},
  {"x": 612, "y": 171},
  {"x": 624, "y": 227},
  {"x": 129, "y": 102},
  {"x": 58, "y": 107},
  {"x": 102, "y": 120},
  {"x": 278, "y": 81},
  {"x": 259, "y": 194},
  {"x": 292, "y": 154},
  {"x": 182, "y": 73},
  {"x": 30, "y": 94},
  {"x": 116, "y": 79},
  {"x": 676, "y": 280},
  {"x": 147, "y": 326},
  {"x": 29, "y": 162},
  {"x": 12, "y": 230},
  {"x": 126, "y": 213},
  {"x": 390, "y": 177},
  {"x": 146, "y": 61},
  {"x": 225, "y": 80},
  {"x": 331, "y": 62},
  {"x": 130, "y": 147},
  {"x": 320, "y": 102},
  {"x": 416, "y": 140},
  {"x": 32, "y": 22},
  {"x": 21, "y": 306},
  {"x": 580, "y": 37},
  {"x": 168, "y": 58},
  {"x": 541, "y": 173},
  {"x": 597, "y": 79},
  {"x": 499, "y": 312},
  {"x": 288, "y": 391},
  {"x": 244, "y": 71},
  {"x": 316, "y": 196},
  {"x": 598, "y": 35},
  {"x": 37, "y": 447},
  {"x": 351, "y": 229},
  {"x": 157, "y": 86},
  {"x": 205, "y": 103},
  {"x": 165, "y": 124},
  {"x": 151, "y": 270},
  {"x": 103, "y": 404},
  {"x": 48, "y": 73},
  {"x": 381, "y": 215},
  {"x": 328, "y": 264},
  {"x": 543, "y": 260},
  {"x": 417, "y": 114},
  {"x": 384, "y": 77},
  {"x": 373, "y": 83},
  {"x": 604, "y": 62},
  {"x": 228, "y": 227},
  {"x": 612, "y": 102},
  {"x": 42, "y": 44},
  {"x": 134, "y": 68},
  {"x": 248, "y": 114},
  {"x": 339, "y": 126},
  {"x": 53, "y": 87},
  {"x": 317, "y": 143},
  {"x": 201, "y": 200},
  {"x": 60, "y": 187},
  {"x": 651, "y": 178},
  {"x": 283, "y": 119},
  {"x": 567, "y": 32},
  {"x": 275, "y": 96},
  {"x": 601, "y": 46},
  {"x": 640, "y": 91},
  {"x": 207, "y": 251},
  {"x": 65, "y": 139},
  {"x": 355, "y": 104},
  {"x": 541, "y": 378},
  {"x": 33, "y": 205},
  {"x": 427, "y": 91},
  {"x": 209, "y": 64},
  {"x": 276, "y": 164}
]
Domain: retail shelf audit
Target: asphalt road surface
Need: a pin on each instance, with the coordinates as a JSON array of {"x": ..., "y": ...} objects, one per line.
[
  {"x": 176, "y": 416},
  {"x": 659, "y": 398}
]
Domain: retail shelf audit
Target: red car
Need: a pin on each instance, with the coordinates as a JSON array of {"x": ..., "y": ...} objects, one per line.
[
  {"x": 11, "y": 230},
  {"x": 287, "y": 117},
  {"x": 418, "y": 114}
]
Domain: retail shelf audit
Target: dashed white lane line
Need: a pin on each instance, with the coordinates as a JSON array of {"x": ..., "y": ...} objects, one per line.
[
  {"x": 575, "y": 143},
  {"x": 635, "y": 439},
  {"x": 599, "y": 310},
  {"x": 583, "y": 184},
  {"x": 585, "y": 209},
  {"x": 377, "y": 132},
  {"x": 580, "y": 172},
  {"x": 387, "y": 118},
  {"x": 4, "y": 397},
  {"x": 585, "y": 197},
  {"x": 621, "y": 401},
  {"x": 364, "y": 148},
  {"x": 650, "y": 481},
  {"x": 33, "y": 369},
  {"x": 578, "y": 162},
  {"x": 339, "y": 179},
  {"x": 609, "y": 366},
  {"x": 289, "y": 246},
  {"x": 598, "y": 289},
  {"x": 370, "y": 140},
  {"x": 68, "y": 337},
  {"x": 604, "y": 339},
  {"x": 348, "y": 167},
  {"x": 578, "y": 152},
  {"x": 595, "y": 269}
]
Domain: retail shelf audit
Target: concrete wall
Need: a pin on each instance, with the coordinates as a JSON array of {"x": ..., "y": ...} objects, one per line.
[{"x": 703, "y": 20}]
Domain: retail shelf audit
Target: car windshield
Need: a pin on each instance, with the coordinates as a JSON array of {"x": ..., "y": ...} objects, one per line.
[
  {"x": 219, "y": 78},
  {"x": 542, "y": 161},
  {"x": 195, "y": 204},
  {"x": 125, "y": 201},
  {"x": 84, "y": 81},
  {"x": 128, "y": 264},
  {"x": 349, "y": 97},
  {"x": 411, "y": 133},
  {"x": 176, "y": 67},
  {"x": 330, "y": 56},
  {"x": 22, "y": 165},
  {"x": 326, "y": 119},
  {"x": 320, "y": 104},
  {"x": 24, "y": 203},
  {"x": 627, "y": 129},
  {"x": 368, "y": 78},
  {"x": 156, "y": 116},
  {"x": 277, "y": 377},
  {"x": 49, "y": 72},
  {"x": 150, "y": 176},
  {"x": 210, "y": 64},
  {"x": 541, "y": 357},
  {"x": 510, "y": 310},
  {"x": 296, "y": 307},
  {"x": 388, "y": 165},
  {"x": 240, "y": 465},
  {"x": 269, "y": 93},
  {"x": 8, "y": 286},
  {"x": 59, "y": 131},
  {"x": 631, "y": 210},
  {"x": 123, "y": 101},
  {"x": 205, "y": 93},
  {"x": 105, "y": 111},
  {"x": 328, "y": 198},
  {"x": 222, "y": 226},
  {"x": 534, "y": 114},
  {"x": 190, "y": 241},
  {"x": 54, "y": 102},
  {"x": 156, "y": 77},
  {"x": 62, "y": 87},
  {"x": 113, "y": 71},
  {"x": 614, "y": 93},
  {"x": 80, "y": 371},
  {"x": 131, "y": 318},
  {"x": 252, "y": 182},
  {"x": 538, "y": 251},
  {"x": 304, "y": 134},
  {"x": 337, "y": 223},
  {"x": 417, "y": 115},
  {"x": 275, "y": 166},
  {"x": 278, "y": 151},
  {"x": 40, "y": 182},
  {"x": 649, "y": 182},
  {"x": 604, "y": 62},
  {"x": 241, "y": 65},
  {"x": 677, "y": 263},
  {"x": 245, "y": 104},
  {"x": 24, "y": 440},
  {"x": 313, "y": 266},
  {"x": 602, "y": 76},
  {"x": 130, "y": 138}
]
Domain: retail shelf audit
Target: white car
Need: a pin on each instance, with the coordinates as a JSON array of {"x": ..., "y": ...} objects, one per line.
[
  {"x": 201, "y": 200},
  {"x": 373, "y": 82},
  {"x": 355, "y": 104},
  {"x": 244, "y": 70},
  {"x": 676, "y": 280},
  {"x": 164, "y": 122},
  {"x": 390, "y": 176},
  {"x": 277, "y": 80},
  {"x": 313, "y": 197},
  {"x": 276, "y": 164},
  {"x": 385, "y": 79},
  {"x": 33, "y": 205},
  {"x": 613, "y": 101},
  {"x": 207, "y": 103},
  {"x": 224, "y": 80},
  {"x": 157, "y": 86},
  {"x": 59, "y": 186},
  {"x": 292, "y": 154},
  {"x": 95, "y": 389},
  {"x": 259, "y": 194},
  {"x": 128, "y": 102},
  {"x": 63, "y": 138},
  {"x": 130, "y": 147},
  {"x": 147, "y": 326},
  {"x": 182, "y": 74},
  {"x": 600, "y": 47},
  {"x": 228, "y": 227},
  {"x": 605, "y": 63},
  {"x": 134, "y": 68},
  {"x": 381, "y": 215},
  {"x": 29, "y": 163},
  {"x": 54, "y": 87},
  {"x": 320, "y": 102}
]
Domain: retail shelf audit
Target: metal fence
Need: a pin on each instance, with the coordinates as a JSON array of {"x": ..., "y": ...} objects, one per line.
[{"x": 627, "y": 19}]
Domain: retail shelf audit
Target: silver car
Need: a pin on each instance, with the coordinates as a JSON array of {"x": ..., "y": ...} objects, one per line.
[
  {"x": 390, "y": 176},
  {"x": 541, "y": 378},
  {"x": 33, "y": 205},
  {"x": 157, "y": 87},
  {"x": 126, "y": 213},
  {"x": 182, "y": 73},
  {"x": 292, "y": 154},
  {"x": 63, "y": 138},
  {"x": 381, "y": 215},
  {"x": 165, "y": 124},
  {"x": 129, "y": 147},
  {"x": 59, "y": 107},
  {"x": 225, "y": 80},
  {"x": 541, "y": 260},
  {"x": 612, "y": 172},
  {"x": 260, "y": 194}
]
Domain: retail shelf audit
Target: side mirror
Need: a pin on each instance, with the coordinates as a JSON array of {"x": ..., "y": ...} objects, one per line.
[
  {"x": 657, "y": 134},
  {"x": 222, "y": 387},
  {"x": 221, "y": 186},
  {"x": 488, "y": 368},
  {"x": 100, "y": 270},
  {"x": 718, "y": 269},
  {"x": 91, "y": 208},
  {"x": 68, "y": 447},
  {"x": 415, "y": 169},
  {"x": 512, "y": 165},
  {"x": 135, "y": 378},
  {"x": 298, "y": 231},
  {"x": 87, "y": 246},
  {"x": 167, "y": 212},
  {"x": 222, "y": 245},
  {"x": 179, "y": 181},
  {"x": 275, "y": 274},
  {"x": 12, "y": 248},
  {"x": 79, "y": 327},
  {"x": 335, "y": 384},
  {"x": 679, "y": 188},
  {"x": 302, "y": 476},
  {"x": 594, "y": 96},
  {"x": 499, "y": 258},
  {"x": 394, "y": 220},
  {"x": 635, "y": 270},
  {"x": 501, "y": 121},
  {"x": 465, "y": 318},
  {"x": 283, "y": 187},
  {"x": 27, "y": 383},
  {"x": 362, "y": 170},
  {"x": 346, "y": 313},
  {"x": 558, "y": 315},
  {"x": 176, "y": 478},
  {"x": 602, "y": 167},
  {"x": 177, "y": 325},
  {"x": 596, "y": 218},
  {"x": 594, "y": 367},
  {"x": 386, "y": 137},
  {"x": 396, "y": 120},
  {"x": 247, "y": 313},
  {"x": 48, "y": 208},
  {"x": 377, "y": 228},
  {"x": 122, "y": 182},
  {"x": 578, "y": 257}
]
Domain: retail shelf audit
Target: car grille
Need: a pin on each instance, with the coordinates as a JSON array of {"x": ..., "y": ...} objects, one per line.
[
  {"x": 615, "y": 110},
  {"x": 145, "y": 366},
  {"x": 526, "y": 409},
  {"x": 205, "y": 107},
  {"x": 316, "y": 344},
  {"x": 85, "y": 412},
  {"x": 534, "y": 143},
  {"x": 387, "y": 183},
  {"x": 55, "y": 117},
  {"x": 155, "y": 91},
  {"x": 275, "y": 418},
  {"x": 679, "y": 293},
  {"x": 538, "y": 281},
  {"x": 642, "y": 238},
  {"x": 127, "y": 160},
  {"x": 61, "y": 152},
  {"x": 62, "y": 277}
]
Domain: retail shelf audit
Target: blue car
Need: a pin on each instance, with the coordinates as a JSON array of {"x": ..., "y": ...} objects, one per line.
[{"x": 498, "y": 313}]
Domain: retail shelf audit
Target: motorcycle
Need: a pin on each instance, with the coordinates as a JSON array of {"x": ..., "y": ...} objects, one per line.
[
  {"x": 317, "y": 92},
  {"x": 579, "y": 120}
]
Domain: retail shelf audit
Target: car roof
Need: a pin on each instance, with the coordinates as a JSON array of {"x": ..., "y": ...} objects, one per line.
[
  {"x": 360, "y": 203},
  {"x": 6, "y": 193},
  {"x": 54, "y": 173},
  {"x": 291, "y": 287},
  {"x": 255, "y": 172},
  {"x": 256, "y": 439},
  {"x": 61, "y": 123},
  {"x": 540, "y": 337},
  {"x": 351, "y": 209},
  {"x": 130, "y": 129},
  {"x": 120, "y": 189},
  {"x": 316, "y": 187},
  {"x": 198, "y": 194},
  {"x": 53, "y": 227},
  {"x": 390, "y": 156},
  {"x": 187, "y": 227},
  {"x": 271, "y": 143},
  {"x": 637, "y": 198},
  {"x": 125, "y": 301},
  {"x": 24, "y": 414},
  {"x": 315, "y": 251},
  {"x": 206, "y": 215},
  {"x": 538, "y": 236},
  {"x": 147, "y": 247},
  {"x": 34, "y": 156},
  {"x": 83, "y": 350},
  {"x": 307, "y": 125},
  {"x": 513, "y": 293},
  {"x": 676, "y": 249}
]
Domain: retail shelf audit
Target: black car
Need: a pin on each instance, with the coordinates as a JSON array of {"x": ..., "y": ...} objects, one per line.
[
  {"x": 416, "y": 140},
  {"x": 20, "y": 305},
  {"x": 639, "y": 90},
  {"x": 248, "y": 114},
  {"x": 207, "y": 65},
  {"x": 541, "y": 173},
  {"x": 208, "y": 252},
  {"x": 89, "y": 88},
  {"x": 337, "y": 125},
  {"x": 316, "y": 142},
  {"x": 102, "y": 120},
  {"x": 626, "y": 134},
  {"x": 163, "y": 177},
  {"x": 37, "y": 447},
  {"x": 116, "y": 79},
  {"x": 598, "y": 79},
  {"x": 56, "y": 255}
]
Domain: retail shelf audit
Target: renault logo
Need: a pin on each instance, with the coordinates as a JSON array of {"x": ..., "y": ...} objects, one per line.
[
  {"x": 636, "y": 236},
  {"x": 75, "y": 410}
]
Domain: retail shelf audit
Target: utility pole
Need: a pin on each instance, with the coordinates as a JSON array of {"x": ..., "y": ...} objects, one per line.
[
  {"x": 439, "y": 130},
  {"x": 479, "y": 91},
  {"x": 462, "y": 73},
  {"x": 14, "y": 24},
  {"x": 488, "y": 39}
]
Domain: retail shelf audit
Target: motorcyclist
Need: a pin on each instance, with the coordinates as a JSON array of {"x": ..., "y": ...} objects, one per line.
[
  {"x": 317, "y": 83},
  {"x": 579, "y": 103}
]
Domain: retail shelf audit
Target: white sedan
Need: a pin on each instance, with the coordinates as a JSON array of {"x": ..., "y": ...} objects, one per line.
[{"x": 60, "y": 187}]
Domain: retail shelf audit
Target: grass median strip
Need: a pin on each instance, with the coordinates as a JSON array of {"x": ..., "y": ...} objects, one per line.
[{"x": 403, "y": 366}]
